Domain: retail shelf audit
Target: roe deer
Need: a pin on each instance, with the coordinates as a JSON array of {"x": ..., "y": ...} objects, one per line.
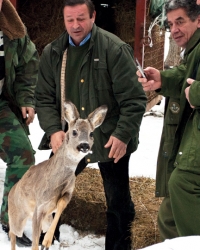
[{"x": 47, "y": 187}]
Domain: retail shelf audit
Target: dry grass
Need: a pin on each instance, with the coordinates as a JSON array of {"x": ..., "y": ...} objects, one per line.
[
  {"x": 43, "y": 19},
  {"x": 86, "y": 210},
  {"x": 144, "y": 227},
  {"x": 125, "y": 20}
]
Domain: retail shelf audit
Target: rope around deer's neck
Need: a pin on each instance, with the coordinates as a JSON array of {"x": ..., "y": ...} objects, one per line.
[{"x": 62, "y": 84}]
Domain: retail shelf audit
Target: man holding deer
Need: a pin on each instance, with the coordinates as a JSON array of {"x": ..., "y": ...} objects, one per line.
[{"x": 99, "y": 70}]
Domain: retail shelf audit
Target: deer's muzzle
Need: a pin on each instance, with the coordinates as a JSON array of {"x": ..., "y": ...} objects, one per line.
[{"x": 84, "y": 147}]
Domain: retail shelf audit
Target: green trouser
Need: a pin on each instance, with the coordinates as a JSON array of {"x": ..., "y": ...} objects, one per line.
[
  {"x": 15, "y": 150},
  {"x": 179, "y": 215}
]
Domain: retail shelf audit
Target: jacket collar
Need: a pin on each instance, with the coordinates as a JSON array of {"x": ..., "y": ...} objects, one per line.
[
  {"x": 62, "y": 42},
  {"x": 10, "y": 22},
  {"x": 193, "y": 41}
]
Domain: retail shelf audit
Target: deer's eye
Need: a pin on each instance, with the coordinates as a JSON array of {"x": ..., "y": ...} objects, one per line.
[
  {"x": 74, "y": 133},
  {"x": 91, "y": 134}
]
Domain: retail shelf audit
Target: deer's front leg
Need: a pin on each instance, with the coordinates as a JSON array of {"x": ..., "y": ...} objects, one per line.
[
  {"x": 61, "y": 205},
  {"x": 36, "y": 225}
]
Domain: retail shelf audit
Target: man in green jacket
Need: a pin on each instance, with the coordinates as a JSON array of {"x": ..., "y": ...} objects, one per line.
[
  {"x": 178, "y": 166},
  {"x": 99, "y": 70},
  {"x": 18, "y": 76}
]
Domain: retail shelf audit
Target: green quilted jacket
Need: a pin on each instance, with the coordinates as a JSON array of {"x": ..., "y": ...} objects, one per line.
[
  {"x": 107, "y": 76},
  {"x": 180, "y": 141}
]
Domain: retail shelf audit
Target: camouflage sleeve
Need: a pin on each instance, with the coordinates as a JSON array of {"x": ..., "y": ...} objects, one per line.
[{"x": 26, "y": 73}]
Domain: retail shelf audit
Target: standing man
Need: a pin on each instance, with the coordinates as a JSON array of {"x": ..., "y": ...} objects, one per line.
[
  {"x": 99, "y": 70},
  {"x": 18, "y": 77},
  {"x": 178, "y": 166}
]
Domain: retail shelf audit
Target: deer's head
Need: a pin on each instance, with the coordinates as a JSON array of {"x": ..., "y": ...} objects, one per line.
[{"x": 80, "y": 131}]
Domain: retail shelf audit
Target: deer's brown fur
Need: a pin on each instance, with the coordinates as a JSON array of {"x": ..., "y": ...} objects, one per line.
[{"x": 47, "y": 187}]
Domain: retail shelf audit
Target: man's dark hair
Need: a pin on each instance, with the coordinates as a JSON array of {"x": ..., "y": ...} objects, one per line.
[
  {"x": 89, "y": 4},
  {"x": 191, "y": 8}
]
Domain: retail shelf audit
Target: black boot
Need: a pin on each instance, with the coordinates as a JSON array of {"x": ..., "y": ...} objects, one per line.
[
  {"x": 20, "y": 241},
  {"x": 23, "y": 241}
]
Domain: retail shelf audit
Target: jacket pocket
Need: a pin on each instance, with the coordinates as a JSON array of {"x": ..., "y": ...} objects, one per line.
[
  {"x": 171, "y": 120},
  {"x": 172, "y": 115},
  {"x": 104, "y": 88},
  {"x": 103, "y": 79}
]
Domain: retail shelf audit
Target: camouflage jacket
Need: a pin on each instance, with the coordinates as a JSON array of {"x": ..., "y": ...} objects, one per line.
[{"x": 21, "y": 74}]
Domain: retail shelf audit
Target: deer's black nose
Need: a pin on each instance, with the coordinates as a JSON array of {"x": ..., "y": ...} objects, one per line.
[{"x": 84, "y": 147}]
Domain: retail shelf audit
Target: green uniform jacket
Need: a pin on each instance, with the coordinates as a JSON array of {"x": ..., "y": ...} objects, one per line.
[
  {"x": 107, "y": 76},
  {"x": 21, "y": 74},
  {"x": 173, "y": 152}
]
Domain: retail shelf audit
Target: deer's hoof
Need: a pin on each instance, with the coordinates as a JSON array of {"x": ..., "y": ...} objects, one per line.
[{"x": 44, "y": 248}]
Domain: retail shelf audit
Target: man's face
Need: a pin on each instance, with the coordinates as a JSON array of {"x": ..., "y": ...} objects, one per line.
[
  {"x": 181, "y": 27},
  {"x": 78, "y": 22},
  {"x": 1, "y": 4},
  {"x": 198, "y": 2}
]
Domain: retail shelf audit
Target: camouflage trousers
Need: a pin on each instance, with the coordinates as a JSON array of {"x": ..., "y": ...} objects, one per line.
[{"x": 15, "y": 150}]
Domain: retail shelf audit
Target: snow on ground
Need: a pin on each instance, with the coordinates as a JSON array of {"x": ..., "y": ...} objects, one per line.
[{"x": 142, "y": 163}]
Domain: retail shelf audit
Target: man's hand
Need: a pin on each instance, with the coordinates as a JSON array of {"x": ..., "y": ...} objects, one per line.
[
  {"x": 187, "y": 90},
  {"x": 152, "y": 80},
  {"x": 28, "y": 113},
  {"x": 118, "y": 148},
  {"x": 57, "y": 140}
]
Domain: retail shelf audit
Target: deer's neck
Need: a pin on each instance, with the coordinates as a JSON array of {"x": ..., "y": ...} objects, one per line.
[{"x": 66, "y": 158}]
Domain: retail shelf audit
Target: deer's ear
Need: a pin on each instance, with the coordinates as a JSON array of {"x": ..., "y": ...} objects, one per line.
[
  {"x": 67, "y": 137},
  {"x": 97, "y": 116},
  {"x": 71, "y": 113}
]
